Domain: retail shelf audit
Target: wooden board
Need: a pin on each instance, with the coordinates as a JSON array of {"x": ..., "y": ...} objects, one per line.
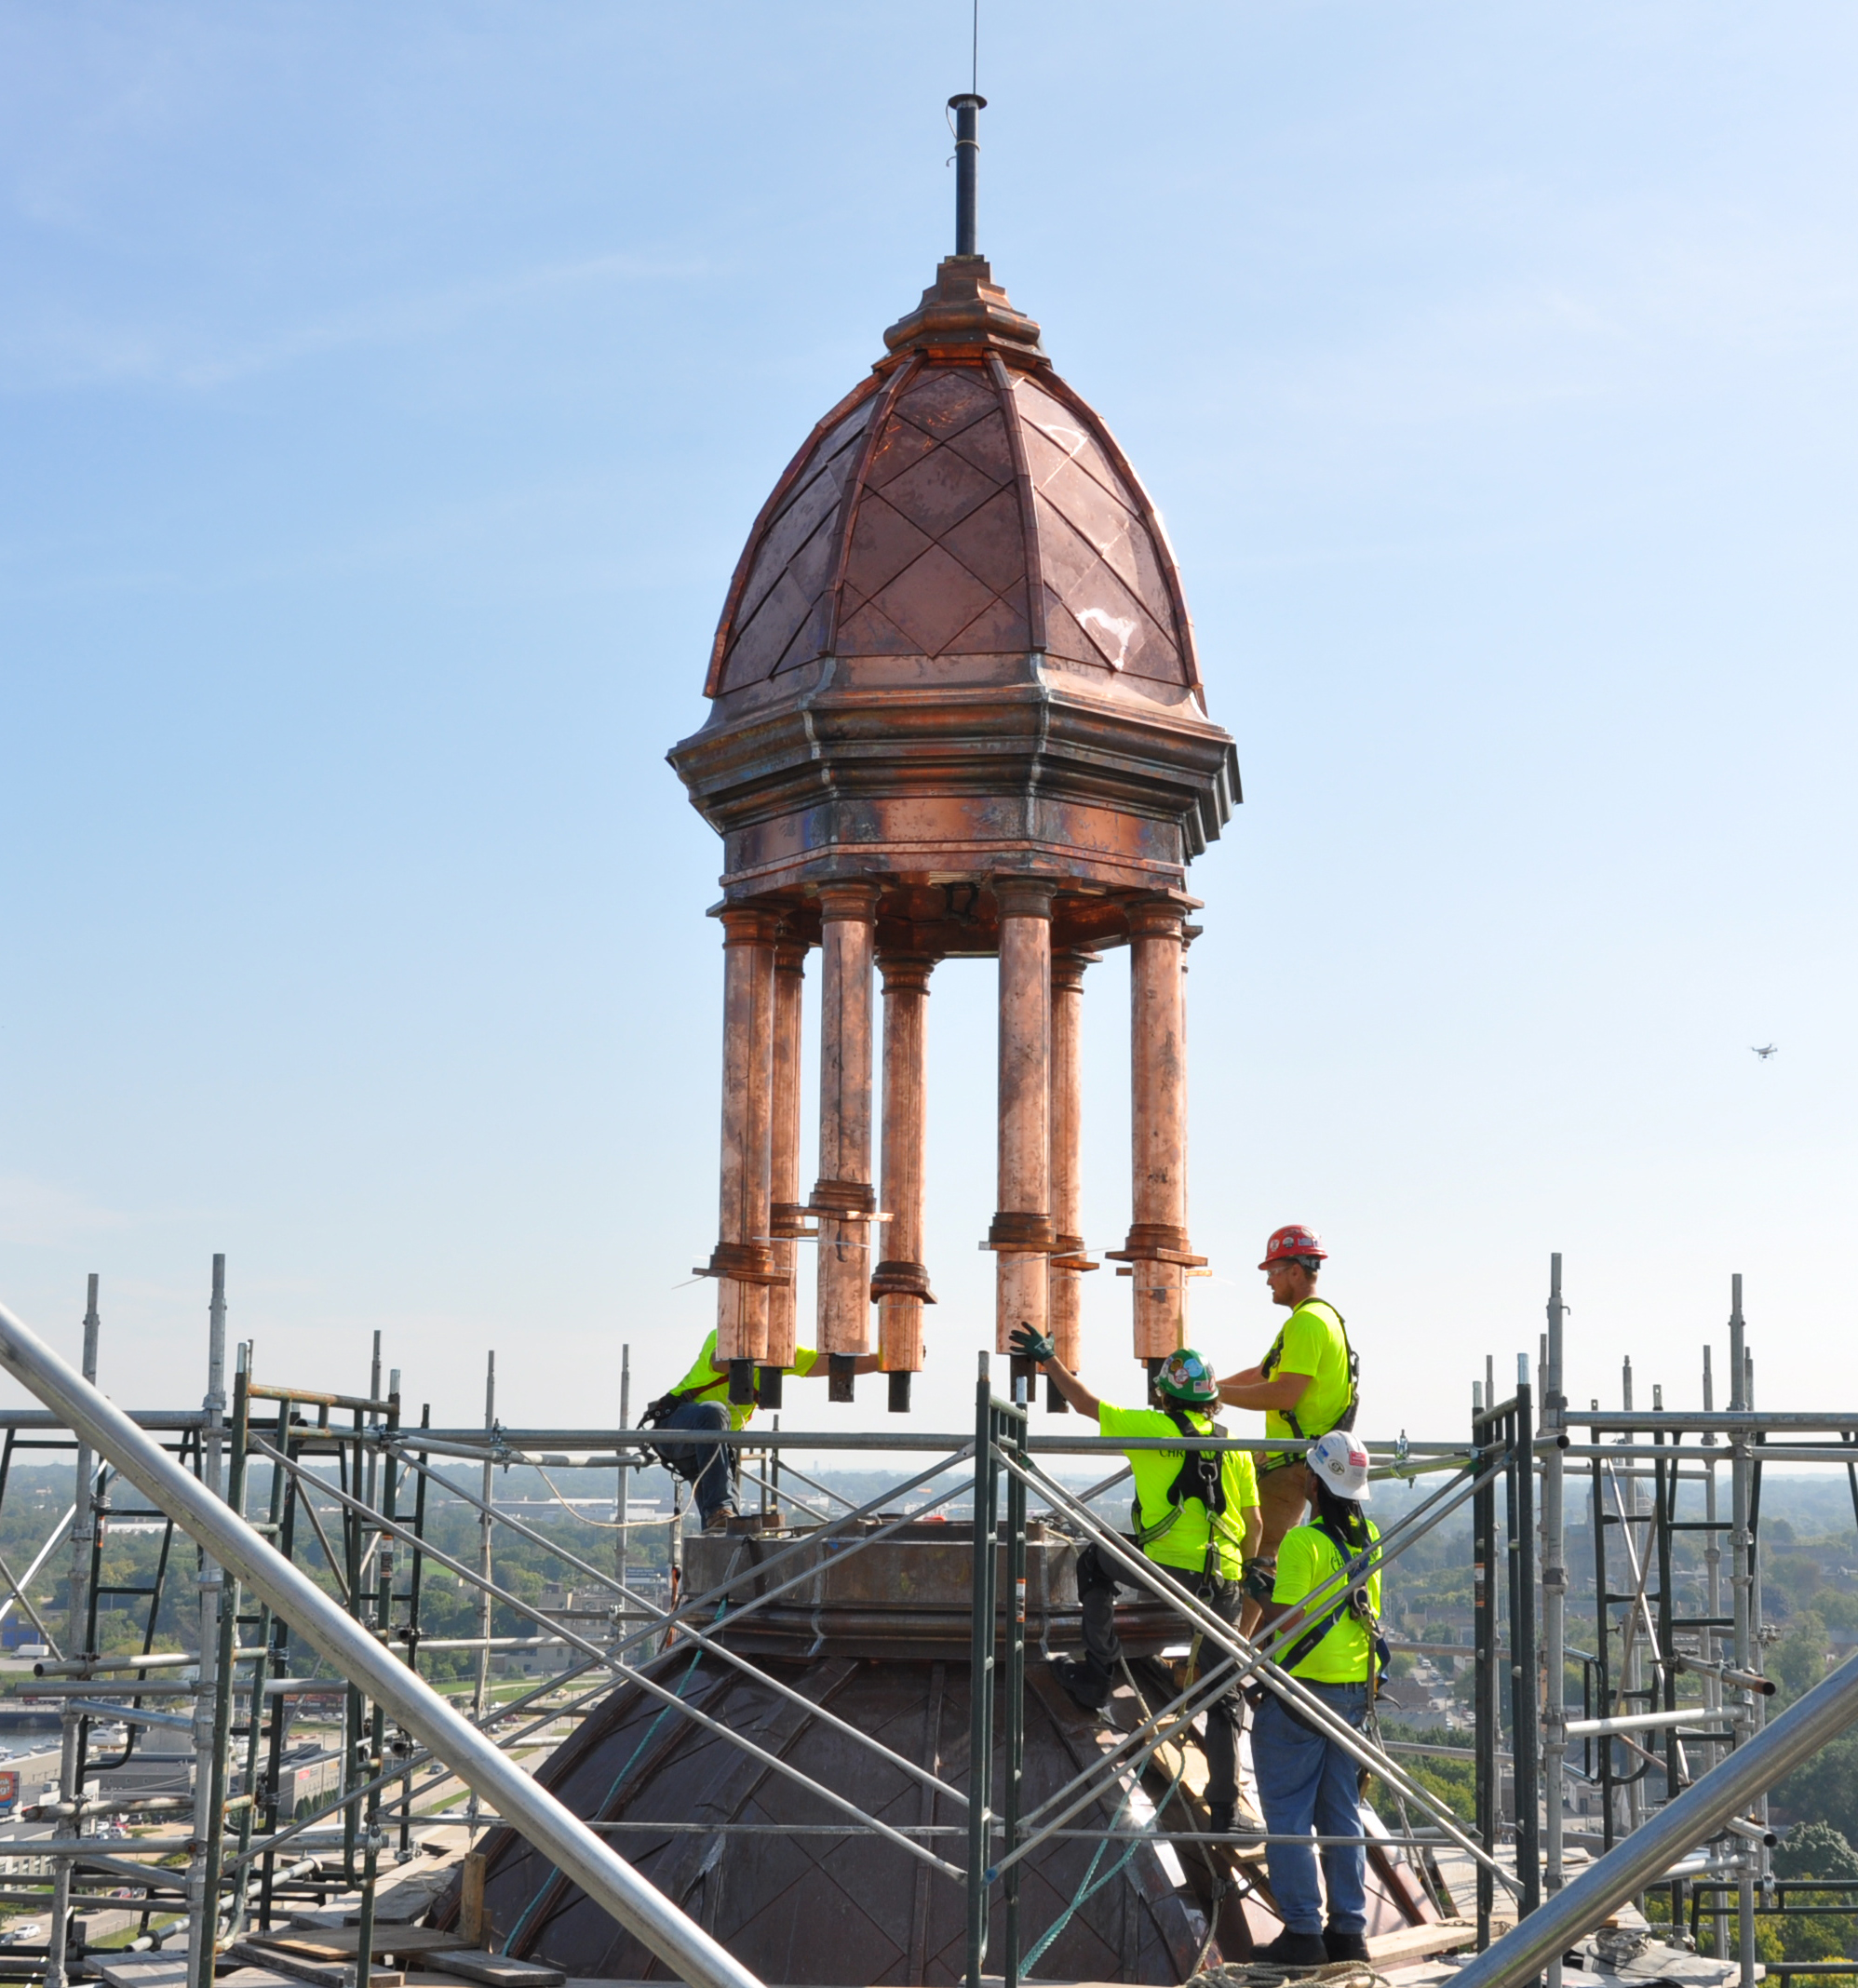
[
  {"x": 1416, "y": 1942},
  {"x": 320, "y": 1974},
  {"x": 342, "y": 1943},
  {"x": 496, "y": 1970}
]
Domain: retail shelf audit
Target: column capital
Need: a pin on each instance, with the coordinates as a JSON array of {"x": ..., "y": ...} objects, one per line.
[
  {"x": 1067, "y": 969},
  {"x": 908, "y": 971},
  {"x": 1157, "y": 918},
  {"x": 746, "y": 925},
  {"x": 856, "y": 903},
  {"x": 1025, "y": 896}
]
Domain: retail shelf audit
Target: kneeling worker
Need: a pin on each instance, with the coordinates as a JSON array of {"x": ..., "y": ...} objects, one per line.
[
  {"x": 1195, "y": 1514},
  {"x": 701, "y": 1401},
  {"x": 1305, "y": 1780},
  {"x": 1307, "y": 1385}
]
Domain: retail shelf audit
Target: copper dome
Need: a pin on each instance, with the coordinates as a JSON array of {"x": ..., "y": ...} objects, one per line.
[{"x": 959, "y": 504}]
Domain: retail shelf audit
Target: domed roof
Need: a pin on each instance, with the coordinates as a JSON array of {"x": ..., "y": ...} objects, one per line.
[{"x": 960, "y": 505}]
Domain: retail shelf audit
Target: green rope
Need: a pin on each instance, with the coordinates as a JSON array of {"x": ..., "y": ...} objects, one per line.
[
  {"x": 665, "y": 1711},
  {"x": 1092, "y": 1884}
]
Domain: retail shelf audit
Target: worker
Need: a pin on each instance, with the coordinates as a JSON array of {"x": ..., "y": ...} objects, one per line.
[
  {"x": 1305, "y": 1780},
  {"x": 1195, "y": 1514},
  {"x": 1307, "y": 1385},
  {"x": 701, "y": 1401}
]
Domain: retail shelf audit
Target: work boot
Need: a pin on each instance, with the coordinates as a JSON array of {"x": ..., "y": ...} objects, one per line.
[
  {"x": 1295, "y": 1949},
  {"x": 1219, "y": 1818},
  {"x": 1084, "y": 1684},
  {"x": 1344, "y": 1946},
  {"x": 719, "y": 1520}
]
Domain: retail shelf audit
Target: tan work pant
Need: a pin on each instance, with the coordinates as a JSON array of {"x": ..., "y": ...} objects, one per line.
[{"x": 1282, "y": 1504}]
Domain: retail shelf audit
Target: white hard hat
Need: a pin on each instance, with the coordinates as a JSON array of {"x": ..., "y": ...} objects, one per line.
[{"x": 1341, "y": 1463}]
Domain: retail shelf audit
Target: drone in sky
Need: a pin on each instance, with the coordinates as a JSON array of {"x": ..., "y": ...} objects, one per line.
[{"x": 1768, "y": 1050}]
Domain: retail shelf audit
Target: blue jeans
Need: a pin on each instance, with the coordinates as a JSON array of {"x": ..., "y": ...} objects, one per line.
[
  {"x": 710, "y": 1466},
  {"x": 1305, "y": 1783}
]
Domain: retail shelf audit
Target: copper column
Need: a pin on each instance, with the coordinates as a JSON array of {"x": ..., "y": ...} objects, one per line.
[
  {"x": 900, "y": 1283},
  {"x": 1022, "y": 1227},
  {"x": 743, "y": 1260},
  {"x": 1065, "y": 1289},
  {"x": 1157, "y": 1249},
  {"x": 789, "y": 1212},
  {"x": 842, "y": 1197}
]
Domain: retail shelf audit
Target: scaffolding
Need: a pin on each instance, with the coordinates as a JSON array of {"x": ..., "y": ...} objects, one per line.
[{"x": 1669, "y": 1692}]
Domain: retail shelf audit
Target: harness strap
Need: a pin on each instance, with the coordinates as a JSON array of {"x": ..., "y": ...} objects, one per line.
[
  {"x": 1268, "y": 1366},
  {"x": 1357, "y": 1603}
]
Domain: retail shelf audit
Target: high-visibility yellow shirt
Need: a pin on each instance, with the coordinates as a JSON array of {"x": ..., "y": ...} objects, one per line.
[
  {"x": 1308, "y": 1564},
  {"x": 708, "y": 1382},
  {"x": 1183, "y": 1544},
  {"x": 1312, "y": 1342}
]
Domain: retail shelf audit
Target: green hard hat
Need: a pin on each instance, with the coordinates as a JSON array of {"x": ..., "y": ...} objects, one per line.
[{"x": 1187, "y": 1378}]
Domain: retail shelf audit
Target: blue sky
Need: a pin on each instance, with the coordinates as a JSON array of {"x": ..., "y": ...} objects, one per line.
[{"x": 387, "y": 395}]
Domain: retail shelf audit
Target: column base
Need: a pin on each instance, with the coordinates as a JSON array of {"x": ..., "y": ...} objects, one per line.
[
  {"x": 841, "y": 1371},
  {"x": 768, "y": 1387},
  {"x": 1055, "y": 1402},
  {"x": 1026, "y": 1370},
  {"x": 741, "y": 1383},
  {"x": 899, "y": 1392}
]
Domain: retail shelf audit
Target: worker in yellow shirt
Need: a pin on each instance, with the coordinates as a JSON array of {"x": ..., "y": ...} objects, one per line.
[
  {"x": 701, "y": 1401},
  {"x": 1306, "y": 1783},
  {"x": 1195, "y": 1514},
  {"x": 1307, "y": 1385}
]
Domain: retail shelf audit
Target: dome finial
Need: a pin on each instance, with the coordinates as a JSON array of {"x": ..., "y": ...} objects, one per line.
[{"x": 967, "y": 108}]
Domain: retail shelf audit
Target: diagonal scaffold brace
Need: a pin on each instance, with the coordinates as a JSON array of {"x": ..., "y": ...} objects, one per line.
[{"x": 562, "y": 1837}]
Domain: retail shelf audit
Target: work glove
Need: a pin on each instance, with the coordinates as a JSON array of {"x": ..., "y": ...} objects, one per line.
[
  {"x": 1261, "y": 1578},
  {"x": 1030, "y": 1345}
]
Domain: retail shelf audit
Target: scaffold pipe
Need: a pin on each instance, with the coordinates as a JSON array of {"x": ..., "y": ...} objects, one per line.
[
  {"x": 689, "y": 1951},
  {"x": 1701, "y": 1811}
]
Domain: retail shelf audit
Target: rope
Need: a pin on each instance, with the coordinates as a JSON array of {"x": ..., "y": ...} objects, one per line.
[
  {"x": 1091, "y": 1883},
  {"x": 619, "y": 1780},
  {"x": 1267, "y": 1974},
  {"x": 605, "y": 1524}
]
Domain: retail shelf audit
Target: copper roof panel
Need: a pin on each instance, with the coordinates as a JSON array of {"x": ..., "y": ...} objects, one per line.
[
  {"x": 865, "y": 630},
  {"x": 899, "y": 446},
  {"x": 991, "y": 541},
  {"x": 986, "y": 447},
  {"x": 999, "y": 629},
  {"x": 810, "y": 638},
  {"x": 761, "y": 643},
  {"x": 940, "y": 492},
  {"x": 1067, "y": 431},
  {"x": 884, "y": 542},
  {"x": 816, "y": 504},
  {"x": 934, "y": 600},
  {"x": 948, "y": 400}
]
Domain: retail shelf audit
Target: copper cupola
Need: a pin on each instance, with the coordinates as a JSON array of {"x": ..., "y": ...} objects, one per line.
[{"x": 955, "y": 708}]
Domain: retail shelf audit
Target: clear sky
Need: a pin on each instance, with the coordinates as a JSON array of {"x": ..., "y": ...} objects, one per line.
[{"x": 387, "y": 394}]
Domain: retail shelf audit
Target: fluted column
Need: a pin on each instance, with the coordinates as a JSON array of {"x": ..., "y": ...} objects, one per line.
[
  {"x": 1157, "y": 1248},
  {"x": 900, "y": 1283},
  {"x": 842, "y": 1197},
  {"x": 1022, "y": 1229},
  {"x": 1065, "y": 1286},
  {"x": 789, "y": 1212},
  {"x": 743, "y": 1261}
]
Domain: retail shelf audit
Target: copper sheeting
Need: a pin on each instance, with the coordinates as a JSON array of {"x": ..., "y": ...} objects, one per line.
[{"x": 989, "y": 515}]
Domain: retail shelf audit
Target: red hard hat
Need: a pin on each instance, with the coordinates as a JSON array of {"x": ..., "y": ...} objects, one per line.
[{"x": 1294, "y": 1240}]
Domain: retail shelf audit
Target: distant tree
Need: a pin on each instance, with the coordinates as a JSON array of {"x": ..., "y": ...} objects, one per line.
[
  {"x": 1798, "y": 1660},
  {"x": 1815, "y": 1849},
  {"x": 1826, "y": 1789}
]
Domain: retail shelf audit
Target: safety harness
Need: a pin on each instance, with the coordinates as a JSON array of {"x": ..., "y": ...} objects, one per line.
[
  {"x": 1355, "y": 1565},
  {"x": 1202, "y": 1477},
  {"x": 1268, "y": 1366}
]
